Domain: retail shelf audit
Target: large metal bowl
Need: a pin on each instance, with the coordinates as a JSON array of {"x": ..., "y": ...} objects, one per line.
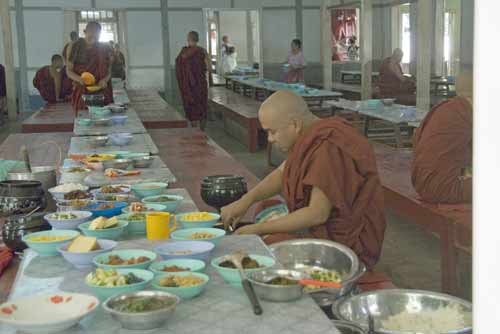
[
  {"x": 276, "y": 293},
  {"x": 141, "y": 320},
  {"x": 102, "y": 122},
  {"x": 98, "y": 141},
  {"x": 118, "y": 163},
  {"x": 306, "y": 254},
  {"x": 385, "y": 303},
  {"x": 93, "y": 100},
  {"x": 143, "y": 162}
]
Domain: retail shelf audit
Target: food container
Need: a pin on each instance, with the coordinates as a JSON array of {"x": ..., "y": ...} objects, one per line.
[
  {"x": 197, "y": 223},
  {"x": 117, "y": 164},
  {"x": 68, "y": 224},
  {"x": 116, "y": 109},
  {"x": 69, "y": 175},
  {"x": 187, "y": 292},
  {"x": 141, "y": 320},
  {"x": 221, "y": 190},
  {"x": 121, "y": 139},
  {"x": 102, "y": 121},
  {"x": 119, "y": 119},
  {"x": 98, "y": 141},
  {"x": 104, "y": 292},
  {"x": 276, "y": 293},
  {"x": 112, "y": 233},
  {"x": 170, "y": 206},
  {"x": 143, "y": 162},
  {"x": 149, "y": 189},
  {"x": 17, "y": 197},
  {"x": 125, "y": 254},
  {"x": 186, "y": 234},
  {"x": 109, "y": 212},
  {"x": 93, "y": 100},
  {"x": 190, "y": 264},
  {"x": 84, "y": 260},
  {"x": 58, "y": 194},
  {"x": 49, "y": 248},
  {"x": 232, "y": 276},
  {"x": 199, "y": 250}
]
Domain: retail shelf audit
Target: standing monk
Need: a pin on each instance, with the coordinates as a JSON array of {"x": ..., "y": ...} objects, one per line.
[
  {"x": 329, "y": 181},
  {"x": 88, "y": 55},
  {"x": 191, "y": 66},
  {"x": 73, "y": 38},
  {"x": 52, "y": 81},
  {"x": 441, "y": 169},
  {"x": 392, "y": 81}
]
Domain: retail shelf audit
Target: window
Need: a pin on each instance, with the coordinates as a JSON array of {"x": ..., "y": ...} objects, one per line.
[
  {"x": 405, "y": 37},
  {"x": 106, "y": 18}
]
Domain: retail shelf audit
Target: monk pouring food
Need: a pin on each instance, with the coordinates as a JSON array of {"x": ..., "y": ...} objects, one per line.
[
  {"x": 329, "y": 181},
  {"x": 88, "y": 55},
  {"x": 441, "y": 169},
  {"x": 393, "y": 83}
]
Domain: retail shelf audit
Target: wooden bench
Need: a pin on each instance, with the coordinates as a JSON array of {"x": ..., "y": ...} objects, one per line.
[
  {"x": 240, "y": 116},
  {"x": 51, "y": 118},
  {"x": 452, "y": 223}
]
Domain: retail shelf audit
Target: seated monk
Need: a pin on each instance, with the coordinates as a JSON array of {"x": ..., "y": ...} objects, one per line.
[
  {"x": 329, "y": 181},
  {"x": 443, "y": 149},
  {"x": 392, "y": 82},
  {"x": 52, "y": 81},
  {"x": 88, "y": 55}
]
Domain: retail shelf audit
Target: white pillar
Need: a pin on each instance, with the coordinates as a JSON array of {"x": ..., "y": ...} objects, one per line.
[
  {"x": 424, "y": 43},
  {"x": 366, "y": 49},
  {"x": 413, "y": 37},
  {"x": 439, "y": 38},
  {"x": 326, "y": 44},
  {"x": 8, "y": 50},
  {"x": 250, "y": 41},
  {"x": 261, "y": 43}
]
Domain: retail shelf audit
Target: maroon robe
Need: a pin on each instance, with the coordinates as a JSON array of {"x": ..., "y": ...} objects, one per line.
[
  {"x": 191, "y": 72},
  {"x": 391, "y": 85},
  {"x": 45, "y": 84}
]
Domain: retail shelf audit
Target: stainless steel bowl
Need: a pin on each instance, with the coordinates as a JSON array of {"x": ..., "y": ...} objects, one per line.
[
  {"x": 102, "y": 121},
  {"x": 143, "y": 162},
  {"x": 118, "y": 163},
  {"x": 98, "y": 141},
  {"x": 276, "y": 293},
  {"x": 93, "y": 100},
  {"x": 346, "y": 327},
  {"x": 306, "y": 254},
  {"x": 141, "y": 320},
  {"x": 385, "y": 303},
  {"x": 388, "y": 102}
]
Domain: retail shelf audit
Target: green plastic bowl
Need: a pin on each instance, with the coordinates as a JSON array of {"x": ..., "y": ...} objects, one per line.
[
  {"x": 134, "y": 226},
  {"x": 232, "y": 276},
  {"x": 185, "y": 234},
  {"x": 84, "y": 121},
  {"x": 49, "y": 248},
  {"x": 191, "y": 264},
  {"x": 197, "y": 224},
  {"x": 150, "y": 207},
  {"x": 170, "y": 206},
  {"x": 144, "y": 189},
  {"x": 108, "y": 233},
  {"x": 99, "y": 111},
  {"x": 182, "y": 292},
  {"x": 125, "y": 254},
  {"x": 103, "y": 292}
]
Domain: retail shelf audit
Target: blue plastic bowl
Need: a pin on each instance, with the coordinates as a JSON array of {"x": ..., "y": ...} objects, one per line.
[
  {"x": 108, "y": 213},
  {"x": 191, "y": 264},
  {"x": 119, "y": 119},
  {"x": 197, "y": 224},
  {"x": 104, "y": 292},
  {"x": 112, "y": 233},
  {"x": 101, "y": 259},
  {"x": 121, "y": 139},
  {"x": 49, "y": 248},
  {"x": 68, "y": 224},
  {"x": 182, "y": 292},
  {"x": 186, "y": 234},
  {"x": 83, "y": 260},
  {"x": 170, "y": 206},
  {"x": 148, "y": 189},
  {"x": 200, "y": 250}
]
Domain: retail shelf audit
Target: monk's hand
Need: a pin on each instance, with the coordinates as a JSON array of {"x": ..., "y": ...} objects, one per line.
[
  {"x": 248, "y": 229},
  {"x": 231, "y": 214},
  {"x": 103, "y": 83}
]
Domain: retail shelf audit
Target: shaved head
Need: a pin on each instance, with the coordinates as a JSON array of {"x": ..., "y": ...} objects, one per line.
[
  {"x": 464, "y": 84},
  {"x": 397, "y": 55},
  {"x": 285, "y": 115}
]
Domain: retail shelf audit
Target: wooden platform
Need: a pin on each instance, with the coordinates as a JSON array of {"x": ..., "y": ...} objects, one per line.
[{"x": 452, "y": 223}]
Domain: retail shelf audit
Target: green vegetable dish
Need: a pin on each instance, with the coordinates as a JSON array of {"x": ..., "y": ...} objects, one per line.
[
  {"x": 62, "y": 216},
  {"x": 111, "y": 278},
  {"x": 142, "y": 304},
  {"x": 135, "y": 217},
  {"x": 326, "y": 276},
  {"x": 161, "y": 199}
]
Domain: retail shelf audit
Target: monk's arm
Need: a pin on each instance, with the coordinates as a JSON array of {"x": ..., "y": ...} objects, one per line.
[
  {"x": 315, "y": 214},
  {"x": 271, "y": 185},
  {"x": 70, "y": 68},
  {"x": 57, "y": 85}
]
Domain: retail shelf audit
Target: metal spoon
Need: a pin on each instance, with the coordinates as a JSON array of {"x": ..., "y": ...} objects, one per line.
[{"x": 236, "y": 258}]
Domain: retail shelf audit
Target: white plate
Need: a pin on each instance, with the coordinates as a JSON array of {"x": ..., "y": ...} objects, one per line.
[{"x": 49, "y": 313}]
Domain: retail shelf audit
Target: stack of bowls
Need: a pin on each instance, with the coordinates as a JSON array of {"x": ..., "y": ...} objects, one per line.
[
  {"x": 93, "y": 100},
  {"x": 221, "y": 190}
]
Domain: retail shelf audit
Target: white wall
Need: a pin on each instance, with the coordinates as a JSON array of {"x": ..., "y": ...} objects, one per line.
[
  {"x": 180, "y": 23},
  {"x": 311, "y": 43},
  {"x": 279, "y": 31},
  {"x": 234, "y": 25}
]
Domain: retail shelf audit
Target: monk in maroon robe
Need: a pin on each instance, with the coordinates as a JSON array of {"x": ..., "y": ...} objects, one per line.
[
  {"x": 441, "y": 169},
  {"x": 52, "y": 81},
  {"x": 73, "y": 38},
  {"x": 191, "y": 67},
  {"x": 393, "y": 83},
  {"x": 88, "y": 55},
  {"x": 329, "y": 181}
]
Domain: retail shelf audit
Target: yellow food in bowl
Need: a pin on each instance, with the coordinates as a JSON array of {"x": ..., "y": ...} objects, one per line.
[
  {"x": 198, "y": 216},
  {"x": 201, "y": 235},
  {"x": 176, "y": 281},
  {"x": 46, "y": 238}
]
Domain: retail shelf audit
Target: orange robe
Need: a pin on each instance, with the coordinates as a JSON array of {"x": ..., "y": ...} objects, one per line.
[
  {"x": 391, "y": 85},
  {"x": 44, "y": 82},
  {"x": 98, "y": 63},
  {"x": 334, "y": 157},
  {"x": 442, "y": 150}
]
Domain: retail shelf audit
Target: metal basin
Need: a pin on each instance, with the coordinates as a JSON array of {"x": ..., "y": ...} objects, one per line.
[
  {"x": 99, "y": 141},
  {"x": 143, "y": 162},
  {"x": 102, "y": 122},
  {"x": 385, "y": 303},
  {"x": 118, "y": 163},
  {"x": 276, "y": 293},
  {"x": 306, "y": 254},
  {"x": 141, "y": 320}
]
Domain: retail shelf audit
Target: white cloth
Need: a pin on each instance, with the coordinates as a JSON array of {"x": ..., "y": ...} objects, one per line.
[{"x": 229, "y": 63}]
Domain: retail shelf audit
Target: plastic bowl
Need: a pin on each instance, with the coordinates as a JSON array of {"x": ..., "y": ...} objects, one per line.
[
  {"x": 99, "y": 111},
  {"x": 121, "y": 139},
  {"x": 149, "y": 189},
  {"x": 185, "y": 234},
  {"x": 134, "y": 226},
  {"x": 182, "y": 292},
  {"x": 59, "y": 196},
  {"x": 199, "y": 250},
  {"x": 112, "y": 233},
  {"x": 119, "y": 119},
  {"x": 232, "y": 276},
  {"x": 125, "y": 254},
  {"x": 49, "y": 248},
  {"x": 191, "y": 264},
  {"x": 170, "y": 206},
  {"x": 150, "y": 208},
  {"x": 108, "y": 213},
  {"x": 84, "y": 121},
  {"x": 103, "y": 292},
  {"x": 83, "y": 260},
  {"x": 68, "y": 224},
  {"x": 199, "y": 223}
]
